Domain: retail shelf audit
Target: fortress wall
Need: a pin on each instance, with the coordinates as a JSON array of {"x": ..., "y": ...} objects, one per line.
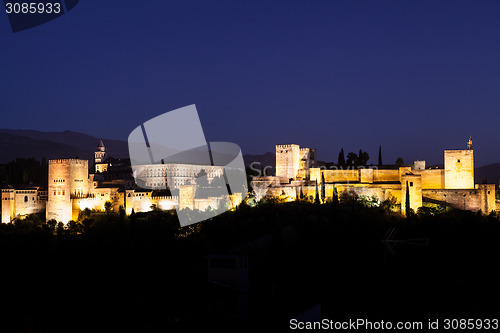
[
  {"x": 431, "y": 178},
  {"x": 27, "y": 202},
  {"x": 380, "y": 192},
  {"x": 165, "y": 203},
  {"x": 302, "y": 174},
  {"x": 289, "y": 191},
  {"x": 90, "y": 203},
  {"x": 203, "y": 204},
  {"x": 315, "y": 174},
  {"x": 366, "y": 175},
  {"x": 468, "y": 199},
  {"x": 393, "y": 193},
  {"x": 487, "y": 193},
  {"x": 142, "y": 204},
  {"x": 340, "y": 176},
  {"x": 367, "y": 191},
  {"x": 385, "y": 175}
]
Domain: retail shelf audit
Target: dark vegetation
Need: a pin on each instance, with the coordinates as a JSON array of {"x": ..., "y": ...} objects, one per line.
[
  {"x": 24, "y": 171},
  {"x": 116, "y": 273}
]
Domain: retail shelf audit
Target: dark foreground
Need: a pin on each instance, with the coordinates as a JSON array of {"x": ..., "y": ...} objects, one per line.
[{"x": 142, "y": 273}]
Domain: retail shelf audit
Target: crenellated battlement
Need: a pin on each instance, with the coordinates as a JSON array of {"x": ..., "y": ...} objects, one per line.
[
  {"x": 285, "y": 146},
  {"x": 68, "y": 160},
  {"x": 172, "y": 198}
]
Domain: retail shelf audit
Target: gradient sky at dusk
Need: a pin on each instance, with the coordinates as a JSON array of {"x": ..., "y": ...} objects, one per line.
[{"x": 413, "y": 76}]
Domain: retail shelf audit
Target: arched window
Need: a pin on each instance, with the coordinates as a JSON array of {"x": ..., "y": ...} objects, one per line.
[{"x": 25, "y": 198}]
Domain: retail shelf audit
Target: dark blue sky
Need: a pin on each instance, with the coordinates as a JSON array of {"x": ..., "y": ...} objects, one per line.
[{"x": 415, "y": 77}]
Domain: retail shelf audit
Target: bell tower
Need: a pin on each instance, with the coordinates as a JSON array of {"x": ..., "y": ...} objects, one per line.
[{"x": 99, "y": 157}]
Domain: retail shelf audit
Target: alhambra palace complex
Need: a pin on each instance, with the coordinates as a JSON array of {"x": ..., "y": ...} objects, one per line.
[
  {"x": 452, "y": 186},
  {"x": 71, "y": 188}
]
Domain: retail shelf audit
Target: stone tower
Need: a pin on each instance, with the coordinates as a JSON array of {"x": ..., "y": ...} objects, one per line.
[
  {"x": 287, "y": 160},
  {"x": 412, "y": 183},
  {"x": 292, "y": 158},
  {"x": 100, "y": 153},
  {"x": 68, "y": 178},
  {"x": 459, "y": 169},
  {"x": 99, "y": 157},
  {"x": 8, "y": 195}
]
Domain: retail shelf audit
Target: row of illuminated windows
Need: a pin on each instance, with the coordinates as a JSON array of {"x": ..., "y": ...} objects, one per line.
[
  {"x": 180, "y": 172},
  {"x": 59, "y": 192}
]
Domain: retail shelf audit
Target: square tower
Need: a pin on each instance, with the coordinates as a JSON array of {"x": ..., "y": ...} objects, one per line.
[
  {"x": 413, "y": 184},
  {"x": 287, "y": 160},
  {"x": 8, "y": 204},
  {"x": 68, "y": 178},
  {"x": 459, "y": 169}
]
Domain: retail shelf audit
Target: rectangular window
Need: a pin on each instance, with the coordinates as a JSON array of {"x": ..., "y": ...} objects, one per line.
[{"x": 411, "y": 184}]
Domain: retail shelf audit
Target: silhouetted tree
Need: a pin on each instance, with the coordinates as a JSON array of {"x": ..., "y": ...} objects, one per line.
[
  {"x": 316, "y": 199},
  {"x": 323, "y": 194},
  {"x": 201, "y": 178},
  {"x": 363, "y": 158},
  {"x": 399, "y": 161},
  {"x": 341, "y": 159},
  {"x": 352, "y": 159},
  {"x": 335, "y": 197},
  {"x": 60, "y": 229},
  {"x": 379, "y": 155},
  {"x": 407, "y": 203},
  {"x": 108, "y": 206}
]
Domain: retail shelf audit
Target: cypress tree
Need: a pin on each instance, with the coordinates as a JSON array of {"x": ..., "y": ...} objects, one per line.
[
  {"x": 323, "y": 194},
  {"x": 341, "y": 160},
  {"x": 335, "y": 198},
  {"x": 379, "y": 155},
  {"x": 407, "y": 203},
  {"x": 316, "y": 199}
]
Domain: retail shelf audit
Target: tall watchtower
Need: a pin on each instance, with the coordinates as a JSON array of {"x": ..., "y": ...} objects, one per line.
[
  {"x": 459, "y": 169},
  {"x": 287, "y": 160},
  {"x": 67, "y": 178}
]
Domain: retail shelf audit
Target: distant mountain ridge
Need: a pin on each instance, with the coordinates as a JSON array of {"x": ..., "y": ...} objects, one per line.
[
  {"x": 490, "y": 173},
  {"x": 68, "y": 144},
  {"x": 52, "y": 145}
]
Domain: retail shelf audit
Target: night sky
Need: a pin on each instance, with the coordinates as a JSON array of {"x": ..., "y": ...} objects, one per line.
[{"x": 415, "y": 77}]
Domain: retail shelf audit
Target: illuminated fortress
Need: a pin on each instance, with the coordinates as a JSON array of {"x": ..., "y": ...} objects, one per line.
[
  {"x": 298, "y": 176},
  {"x": 71, "y": 188}
]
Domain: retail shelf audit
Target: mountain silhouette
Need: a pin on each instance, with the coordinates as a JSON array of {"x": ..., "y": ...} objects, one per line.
[{"x": 52, "y": 145}]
